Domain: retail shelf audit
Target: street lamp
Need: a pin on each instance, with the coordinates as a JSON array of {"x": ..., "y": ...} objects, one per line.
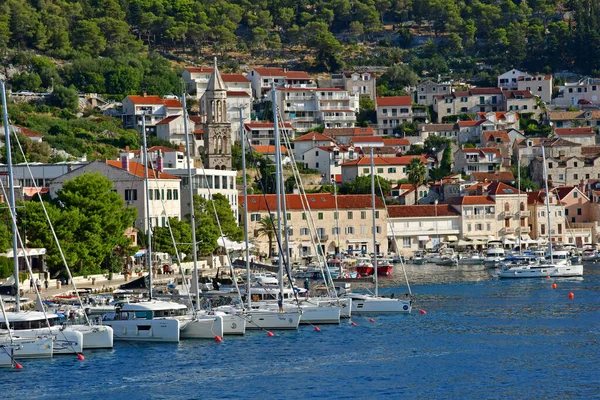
[{"x": 436, "y": 223}]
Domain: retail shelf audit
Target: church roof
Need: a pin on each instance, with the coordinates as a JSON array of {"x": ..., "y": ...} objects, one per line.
[{"x": 215, "y": 82}]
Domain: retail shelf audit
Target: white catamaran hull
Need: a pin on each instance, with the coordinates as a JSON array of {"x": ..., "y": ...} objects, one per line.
[
  {"x": 266, "y": 319},
  {"x": 39, "y": 347},
  {"x": 371, "y": 304},
  {"x": 66, "y": 341},
  {"x": 542, "y": 271},
  {"x": 154, "y": 330},
  {"x": 95, "y": 336},
  {"x": 233, "y": 324},
  {"x": 201, "y": 327}
]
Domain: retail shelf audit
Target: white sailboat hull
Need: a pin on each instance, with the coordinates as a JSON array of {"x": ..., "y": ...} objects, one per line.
[
  {"x": 95, "y": 336},
  {"x": 266, "y": 319},
  {"x": 542, "y": 271},
  {"x": 233, "y": 324},
  {"x": 344, "y": 304},
  {"x": 201, "y": 327},
  {"x": 37, "y": 347},
  {"x": 66, "y": 341},
  {"x": 153, "y": 330},
  {"x": 374, "y": 304}
]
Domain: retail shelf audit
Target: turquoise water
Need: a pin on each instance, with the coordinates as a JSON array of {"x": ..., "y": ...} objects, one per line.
[{"x": 480, "y": 339}]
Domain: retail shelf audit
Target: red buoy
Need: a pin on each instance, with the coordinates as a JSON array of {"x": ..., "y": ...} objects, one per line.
[
  {"x": 547, "y": 276},
  {"x": 270, "y": 334},
  {"x": 353, "y": 323},
  {"x": 371, "y": 320},
  {"x": 571, "y": 295},
  {"x": 554, "y": 286},
  {"x": 423, "y": 312},
  {"x": 80, "y": 357},
  {"x": 218, "y": 338},
  {"x": 317, "y": 329},
  {"x": 18, "y": 366}
]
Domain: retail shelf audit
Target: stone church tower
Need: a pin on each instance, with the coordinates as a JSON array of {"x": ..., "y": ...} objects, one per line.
[{"x": 217, "y": 130}]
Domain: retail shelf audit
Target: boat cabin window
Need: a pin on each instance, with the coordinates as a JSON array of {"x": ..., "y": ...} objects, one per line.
[
  {"x": 169, "y": 313},
  {"x": 22, "y": 325}
]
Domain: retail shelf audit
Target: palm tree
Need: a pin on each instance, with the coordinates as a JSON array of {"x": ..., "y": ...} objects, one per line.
[
  {"x": 416, "y": 174},
  {"x": 267, "y": 228}
]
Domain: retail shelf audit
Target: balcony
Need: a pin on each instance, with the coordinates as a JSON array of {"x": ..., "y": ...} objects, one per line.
[
  {"x": 506, "y": 214},
  {"x": 478, "y": 216},
  {"x": 524, "y": 214},
  {"x": 339, "y": 118},
  {"x": 524, "y": 229},
  {"x": 322, "y": 237},
  {"x": 507, "y": 231}
]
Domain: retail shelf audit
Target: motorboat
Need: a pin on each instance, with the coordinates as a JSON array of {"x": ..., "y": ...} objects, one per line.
[
  {"x": 470, "y": 259},
  {"x": 541, "y": 270},
  {"x": 32, "y": 325},
  {"x": 448, "y": 259},
  {"x": 590, "y": 255},
  {"x": 364, "y": 266},
  {"x": 366, "y": 303},
  {"x": 384, "y": 267},
  {"x": 419, "y": 258},
  {"x": 493, "y": 255},
  {"x": 147, "y": 321}
]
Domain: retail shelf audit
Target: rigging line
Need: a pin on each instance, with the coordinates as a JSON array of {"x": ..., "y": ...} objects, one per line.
[
  {"x": 321, "y": 261},
  {"x": 60, "y": 250},
  {"x": 393, "y": 234},
  {"x": 28, "y": 263}
]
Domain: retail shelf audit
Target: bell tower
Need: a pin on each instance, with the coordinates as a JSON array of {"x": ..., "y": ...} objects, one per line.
[{"x": 217, "y": 130}]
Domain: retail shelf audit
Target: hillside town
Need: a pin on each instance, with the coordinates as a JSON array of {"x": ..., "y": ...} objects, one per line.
[{"x": 478, "y": 197}]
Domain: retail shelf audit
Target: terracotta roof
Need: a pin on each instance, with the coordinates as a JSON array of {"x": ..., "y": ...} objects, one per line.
[
  {"x": 268, "y": 149},
  {"x": 562, "y": 191},
  {"x": 281, "y": 72},
  {"x": 565, "y": 115},
  {"x": 308, "y": 89},
  {"x": 359, "y": 131},
  {"x": 441, "y": 210},
  {"x": 469, "y": 123},
  {"x": 483, "y": 150},
  {"x": 485, "y": 90},
  {"x": 393, "y": 101},
  {"x": 544, "y": 77},
  {"x": 396, "y": 142},
  {"x": 171, "y": 103},
  {"x": 470, "y": 200},
  {"x": 237, "y": 93},
  {"x": 590, "y": 150},
  {"x": 168, "y": 119},
  {"x": 199, "y": 69},
  {"x": 436, "y": 127},
  {"x": 196, "y": 119},
  {"x": 297, "y": 75},
  {"x": 317, "y": 201},
  {"x": 536, "y": 197},
  {"x": 495, "y": 135},
  {"x": 310, "y": 136},
  {"x": 506, "y": 176},
  {"x": 22, "y": 130},
  {"x": 264, "y": 124},
  {"x": 587, "y": 131},
  {"x": 402, "y": 160},
  {"x": 499, "y": 115},
  {"x": 138, "y": 170},
  {"x": 501, "y": 188},
  {"x": 234, "y": 78},
  {"x": 513, "y": 94}
]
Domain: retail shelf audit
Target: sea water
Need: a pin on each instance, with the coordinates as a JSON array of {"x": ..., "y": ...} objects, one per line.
[{"x": 481, "y": 338}]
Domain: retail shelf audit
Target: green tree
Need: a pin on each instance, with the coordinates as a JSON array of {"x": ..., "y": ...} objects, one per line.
[
  {"x": 182, "y": 233},
  {"x": 416, "y": 172},
  {"x": 266, "y": 228},
  {"x": 63, "y": 97},
  {"x": 399, "y": 77},
  {"x": 362, "y": 185},
  {"x": 88, "y": 38}
]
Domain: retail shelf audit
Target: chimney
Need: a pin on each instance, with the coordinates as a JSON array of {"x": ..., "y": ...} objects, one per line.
[
  {"x": 159, "y": 161},
  {"x": 125, "y": 162}
]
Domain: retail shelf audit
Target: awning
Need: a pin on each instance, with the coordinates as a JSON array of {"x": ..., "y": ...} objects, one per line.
[
  {"x": 462, "y": 243},
  {"x": 429, "y": 245},
  {"x": 509, "y": 241},
  {"x": 526, "y": 239},
  {"x": 306, "y": 244},
  {"x": 423, "y": 238},
  {"x": 452, "y": 238},
  {"x": 509, "y": 237}
]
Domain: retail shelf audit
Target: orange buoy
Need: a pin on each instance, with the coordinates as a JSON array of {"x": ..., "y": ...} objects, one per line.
[
  {"x": 371, "y": 320},
  {"x": 353, "y": 323},
  {"x": 423, "y": 312},
  {"x": 554, "y": 286},
  {"x": 547, "y": 276},
  {"x": 218, "y": 338},
  {"x": 18, "y": 366},
  {"x": 317, "y": 329},
  {"x": 80, "y": 357},
  {"x": 270, "y": 334},
  {"x": 571, "y": 295}
]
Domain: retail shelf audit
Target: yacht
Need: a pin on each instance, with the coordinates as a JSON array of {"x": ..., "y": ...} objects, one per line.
[
  {"x": 23, "y": 347},
  {"x": 493, "y": 255},
  {"x": 366, "y": 303}
]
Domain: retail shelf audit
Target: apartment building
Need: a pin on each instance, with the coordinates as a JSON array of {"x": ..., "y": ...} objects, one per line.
[
  {"x": 261, "y": 80},
  {"x": 390, "y": 168},
  {"x": 261, "y": 133},
  {"x": 152, "y": 109},
  {"x": 392, "y": 112},
  {"x": 485, "y": 159},
  {"x": 571, "y": 93},
  {"x": 428, "y": 89},
  {"x": 472, "y": 101}
]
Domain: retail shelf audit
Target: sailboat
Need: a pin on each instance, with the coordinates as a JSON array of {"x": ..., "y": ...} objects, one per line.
[
  {"x": 373, "y": 303},
  {"x": 558, "y": 263},
  {"x": 31, "y": 324}
]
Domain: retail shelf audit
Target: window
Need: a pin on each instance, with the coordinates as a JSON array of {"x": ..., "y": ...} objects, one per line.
[
  {"x": 549, "y": 165},
  {"x": 469, "y": 227},
  {"x": 288, "y": 216},
  {"x": 363, "y": 215},
  {"x": 290, "y": 231},
  {"x": 365, "y": 170},
  {"x": 130, "y": 194},
  {"x": 304, "y": 216},
  {"x": 478, "y": 227},
  {"x": 350, "y": 215},
  {"x": 151, "y": 194},
  {"x": 335, "y": 215},
  {"x": 566, "y": 212},
  {"x": 335, "y": 230},
  {"x": 575, "y": 176},
  {"x": 320, "y": 215},
  {"x": 376, "y": 214},
  {"x": 587, "y": 176},
  {"x": 316, "y": 165},
  {"x": 175, "y": 194},
  {"x": 579, "y": 211},
  {"x": 304, "y": 231},
  {"x": 542, "y": 229},
  {"x": 406, "y": 243},
  {"x": 575, "y": 164},
  {"x": 574, "y": 195},
  {"x": 162, "y": 194},
  {"x": 380, "y": 170},
  {"x": 391, "y": 170},
  {"x": 317, "y": 153},
  {"x": 363, "y": 230},
  {"x": 560, "y": 229},
  {"x": 378, "y": 229},
  {"x": 481, "y": 100},
  {"x": 169, "y": 194},
  {"x": 349, "y": 230},
  {"x": 488, "y": 227},
  {"x": 255, "y": 217}
]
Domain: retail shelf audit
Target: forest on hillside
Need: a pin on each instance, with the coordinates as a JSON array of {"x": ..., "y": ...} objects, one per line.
[{"x": 119, "y": 47}]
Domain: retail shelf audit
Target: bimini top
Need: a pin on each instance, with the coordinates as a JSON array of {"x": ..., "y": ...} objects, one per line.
[
  {"x": 27, "y": 316},
  {"x": 154, "y": 305}
]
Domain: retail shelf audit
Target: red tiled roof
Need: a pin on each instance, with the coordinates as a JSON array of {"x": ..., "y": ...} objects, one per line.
[
  {"x": 234, "y": 78},
  {"x": 512, "y": 94},
  {"x": 587, "y": 131},
  {"x": 198, "y": 69},
  {"x": 317, "y": 201},
  {"x": 470, "y": 123},
  {"x": 258, "y": 125},
  {"x": 310, "y": 136},
  {"x": 441, "y": 210},
  {"x": 138, "y": 170},
  {"x": 485, "y": 90},
  {"x": 359, "y": 131},
  {"x": 499, "y": 115},
  {"x": 171, "y": 103},
  {"x": 22, "y": 130},
  {"x": 396, "y": 142},
  {"x": 281, "y": 72},
  {"x": 500, "y": 188},
  {"x": 494, "y": 135},
  {"x": 483, "y": 150},
  {"x": 506, "y": 176},
  {"x": 196, "y": 119},
  {"x": 308, "y": 89},
  {"x": 297, "y": 75},
  {"x": 268, "y": 149},
  {"x": 393, "y": 101},
  {"x": 402, "y": 160},
  {"x": 168, "y": 119},
  {"x": 470, "y": 200},
  {"x": 237, "y": 93}
]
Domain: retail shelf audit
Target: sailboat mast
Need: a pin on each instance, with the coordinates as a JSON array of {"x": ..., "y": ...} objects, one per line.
[
  {"x": 243, "y": 140},
  {"x": 196, "y": 278},
  {"x": 337, "y": 223},
  {"x": 374, "y": 223},
  {"x": 547, "y": 203},
  {"x": 277, "y": 179},
  {"x": 11, "y": 188},
  {"x": 148, "y": 222},
  {"x": 519, "y": 196}
]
